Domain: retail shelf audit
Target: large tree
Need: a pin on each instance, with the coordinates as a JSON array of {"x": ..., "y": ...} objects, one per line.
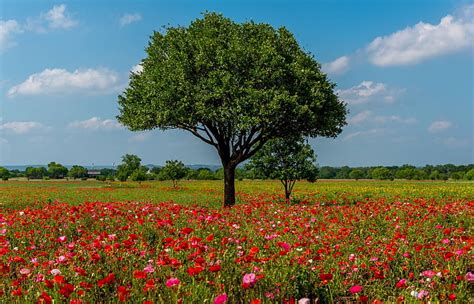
[{"x": 234, "y": 86}]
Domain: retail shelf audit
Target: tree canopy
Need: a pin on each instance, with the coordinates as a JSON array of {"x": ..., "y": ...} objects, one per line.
[
  {"x": 288, "y": 160},
  {"x": 235, "y": 86}
]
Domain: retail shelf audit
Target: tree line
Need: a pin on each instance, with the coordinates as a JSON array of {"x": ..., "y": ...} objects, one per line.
[{"x": 174, "y": 170}]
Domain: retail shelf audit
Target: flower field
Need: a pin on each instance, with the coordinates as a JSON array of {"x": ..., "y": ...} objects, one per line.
[{"x": 92, "y": 242}]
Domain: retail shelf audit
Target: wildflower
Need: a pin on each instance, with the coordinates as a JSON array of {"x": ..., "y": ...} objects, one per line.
[
  {"x": 25, "y": 271},
  {"x": 401, "y": 284},
  {"x": 249, "y": 280},
  {"x": 172, "y": 282},
  {"x": 355, "y": 289},
  {"x": 55, "y": 272},
  {"x": 220, "y": 299}
]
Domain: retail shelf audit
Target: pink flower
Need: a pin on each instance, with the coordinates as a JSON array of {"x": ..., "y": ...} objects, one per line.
[
  {"x": 470, "y": 277},
  {"x": 221, "y": 299},
  {"x": 401, "y": 284},
  {"x": 352, "y": 257},
  {"x": 249, "y": 280},
  {"x": 25, "y": 271},
  {"x": 62, "y": 238},
  {"x": 445, "y": 241},
  {"x": 355, "y": 289},
  {"x": 149, "y": 269},
  {"x": 172, "y": 282},
  {"x": 428, "y": 273},
  {"x": 422, "y": 294}
]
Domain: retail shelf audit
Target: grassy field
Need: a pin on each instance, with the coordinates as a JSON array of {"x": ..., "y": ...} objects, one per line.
[{"x": 339, "y": 241}]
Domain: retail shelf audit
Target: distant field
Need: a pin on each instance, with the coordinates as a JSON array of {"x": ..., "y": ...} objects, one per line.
[{"x": 102, "y": 242}]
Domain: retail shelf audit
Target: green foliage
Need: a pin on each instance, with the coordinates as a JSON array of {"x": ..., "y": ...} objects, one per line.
[
  {"x": 287, "y": 160},
  {"x": 56, "y": 170},
  {"x": 205, "y": 174},
  {"x": 77, "y": 172},
  {"x": 130, "y": 163},
  {"x": 36, "y": 173},
  {"x": 469, "y": 175},
  {"x": 4, "y": 173},
  {"x": 173, "y": 170},
  {"x": 356, "y": 174},
  {"x": 234, "y": 86},
  {"x": 139, "y": 174},
  {"x": 382, "y": 173}
]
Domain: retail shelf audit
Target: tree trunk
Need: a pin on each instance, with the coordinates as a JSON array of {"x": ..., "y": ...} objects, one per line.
[
  {"x": 229, "y": 185},
  {"x": 287, "y": 191}
]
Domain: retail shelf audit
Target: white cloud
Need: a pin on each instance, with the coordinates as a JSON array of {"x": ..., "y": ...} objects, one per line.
[
  {"x": 453, "y": 142},
  {"x": 96, "y": 123},
  {"x": 57, "y": 18},
  {"x": 137, "y": 69},
  {"x": 129, "y": 18},
  {"x": 51, "y": 81},
  {"x": 338, "y": 66},
  {"x": 360, "y": 117},
  {"x": 394, "y": 118},
  {"x": 21, "y": 127},
  {"x": 368, "y": 116},
  {"x": 424, "y": 40},
  {"x": 439, "y": 126},
  {"x": 369, "y": 91},
  {"x": 140, "y": 137},
  {"x": 7, "y": 30},
  {"x": 364, "y": 133}
]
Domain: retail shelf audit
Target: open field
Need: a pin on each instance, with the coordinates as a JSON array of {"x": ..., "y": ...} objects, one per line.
[{"x": 97, "y": 242}]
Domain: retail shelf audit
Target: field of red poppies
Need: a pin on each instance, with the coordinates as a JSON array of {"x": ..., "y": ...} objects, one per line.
[{"x": 91, "y": 242}]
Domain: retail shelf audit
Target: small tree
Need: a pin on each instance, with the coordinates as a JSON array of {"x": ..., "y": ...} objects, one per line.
[
  {"x": 35, "y": 173},
  {"x": 130, "y": 163},
  {"x": 77, "y": 172},
  {"x": 356, "y": 174},
  {"x": 234, "y": 86},
  {"x": 288, "y": 160},
  {"x": 173, "y": 170},
  {"x": 469, "y": 175},
  {"x": 382, "y": 173},
  {"x": 4, "y": 173},
  {"x": 56, "y": 170}
]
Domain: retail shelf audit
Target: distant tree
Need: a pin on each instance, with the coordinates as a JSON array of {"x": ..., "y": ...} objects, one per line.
[
  {"x": 469, "y": 175},
  {"x": 139, "y": 175},
  {"x": 381, "y": 173},
  {"x": 234, "y": 86},
  {"x": 173, "y": 170},
  {"x": 4, "y": 173},
  {"x": 356, "y": 174},
  {"x": 56, "y": 170},
  {"x": 457, "y": 175},
  {"x": 36, "y": 173},
  {"x": 77, "y": 172},
  {"x": 205, "y": 174},
  {"x": 406, "y": 172},
  {"x": 129, "y": 164},
  {"x": 108, "y": 172},
  {"x": 155, "y": 170},
  {"x": 288, "y": 160},
  {"x": 327, "y": 172},
  {"x": 434, "y": 175},
  {"x": 343, "y": 172}
]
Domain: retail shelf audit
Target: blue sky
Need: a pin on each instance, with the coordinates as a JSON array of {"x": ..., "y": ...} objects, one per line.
[{"x": 405, "y": 68}]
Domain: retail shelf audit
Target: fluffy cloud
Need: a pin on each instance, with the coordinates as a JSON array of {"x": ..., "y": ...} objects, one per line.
[
  {"x": 51, "y": 81},
  {"x": 439, "y": 126},
  {"x": 129, "y": 18},
  {"x": 364, "y": 133},
  {"x": 368, "y": 116},
  {"x": 7, "y": 30},
  {"x": 338, "y": 66},
  {"x": 369, "y": 91},
  {"x": 58, "y": 18},
  {"x": 96, "y": 123},
  {"x": 424, "y": 40},
  {"x": 21, "y": 127}
]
